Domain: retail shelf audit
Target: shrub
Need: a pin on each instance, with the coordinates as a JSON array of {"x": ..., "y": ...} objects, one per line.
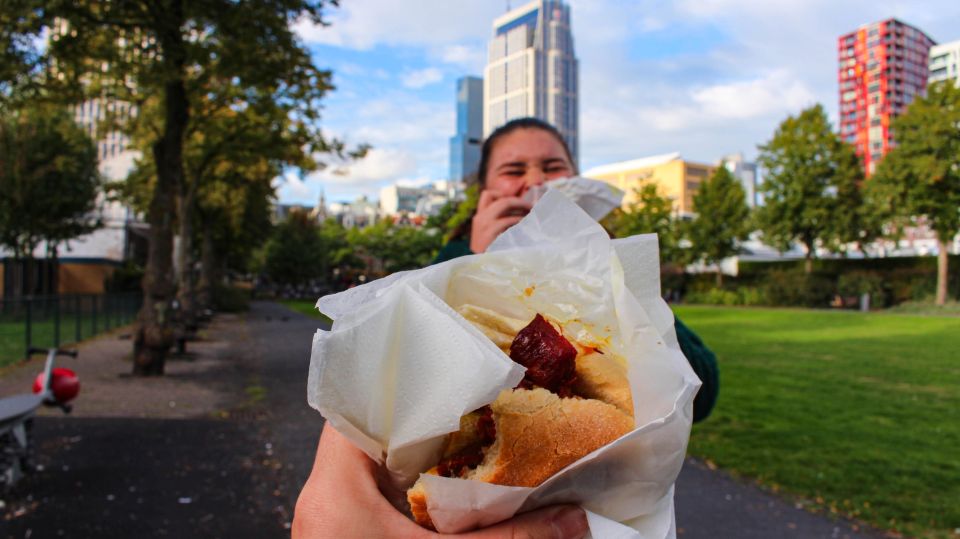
[
  {"x": 798, "y": 289},
  {"x": 856, "y": 283}
]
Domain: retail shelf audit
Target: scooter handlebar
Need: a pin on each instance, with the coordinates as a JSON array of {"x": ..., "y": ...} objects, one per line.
[{"x": 33, "y": 350}]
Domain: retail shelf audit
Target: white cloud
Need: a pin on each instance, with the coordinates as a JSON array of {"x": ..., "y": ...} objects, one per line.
[
  {"x": 777, "y": 92},
  {"x": 294, "y": 185},
  {"x": 363, "y": 24},
  {"x": 422, "y": 77},
  {"x": 471, "y": 58},
  {"x": 379, "y": 165},
  {"x": 703, "y": 77}
]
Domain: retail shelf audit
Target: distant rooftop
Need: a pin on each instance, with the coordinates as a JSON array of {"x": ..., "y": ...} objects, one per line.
[{"x": 634, "y": 164}]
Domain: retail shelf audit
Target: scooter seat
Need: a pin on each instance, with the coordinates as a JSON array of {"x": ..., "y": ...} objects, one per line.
[{"x": 12, "y": 409}]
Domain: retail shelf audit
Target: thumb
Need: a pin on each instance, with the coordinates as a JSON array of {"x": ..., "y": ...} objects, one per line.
[{"x": 556, "y": 522}]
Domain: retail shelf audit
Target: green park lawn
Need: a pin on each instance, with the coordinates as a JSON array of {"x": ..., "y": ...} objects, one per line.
[
  {"x": 856, "y": 414},
  {"x": 304, "y": 306}
]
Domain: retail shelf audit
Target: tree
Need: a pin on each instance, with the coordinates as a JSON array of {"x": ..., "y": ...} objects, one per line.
[
  {"x": 919, "y": 180},
  {"x": 133, "y": 50},
  {"x": 295, "y": 250},
  {"x": 807, "y": 166},
  {"x": 722, "y": 219},
  {"x": 651, "y": 212},
  {"x": 390, "y": 248},
  {"x": 49, "y": 182}
]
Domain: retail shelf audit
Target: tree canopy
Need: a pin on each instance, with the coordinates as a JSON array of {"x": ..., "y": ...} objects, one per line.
[
  {"x": 918, "y": 182},
  {"x": 807, "y": 169},
  {"x": 168, "y": 54},
  {"x": 49, "y": 181},
  {"x": 650, "y": 213},
  {"x": 722, "y": 219}
]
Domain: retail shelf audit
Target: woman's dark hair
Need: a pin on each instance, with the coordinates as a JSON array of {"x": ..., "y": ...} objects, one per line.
[
  {"x": 463, "y": 229},
  {"x": 506, "y": 129}
]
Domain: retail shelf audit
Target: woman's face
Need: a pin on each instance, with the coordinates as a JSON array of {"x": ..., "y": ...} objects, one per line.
[{"x": 524, "y": 158}]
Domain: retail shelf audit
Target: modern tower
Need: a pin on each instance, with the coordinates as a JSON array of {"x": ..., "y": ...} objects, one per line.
[
  {"x": 945, "y": 63},
  {"x": 532, "y": 71},
  {"x": 465, "y": 144},
  {"x": 883, "y": 66}
]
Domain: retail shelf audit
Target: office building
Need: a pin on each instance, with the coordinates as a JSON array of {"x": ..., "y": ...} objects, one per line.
[
  {"x": 945, "y": 63},
  {"x": 882, "y": 67},
  {"x": 532, "y": 71},
  {"x": 465, "y": 144},
  {"x": 744, "y": 171},
  {"x": 675, "y": 178}
]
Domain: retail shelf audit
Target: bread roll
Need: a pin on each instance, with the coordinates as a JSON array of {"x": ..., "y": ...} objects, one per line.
[{"x": 538, "y": 433}]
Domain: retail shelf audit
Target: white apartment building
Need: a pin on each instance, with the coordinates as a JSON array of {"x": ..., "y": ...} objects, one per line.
[
  {"x": 423, "y": 201},
  {"x": 945, "y": 63},
  {"x": 532, "y": 71}
]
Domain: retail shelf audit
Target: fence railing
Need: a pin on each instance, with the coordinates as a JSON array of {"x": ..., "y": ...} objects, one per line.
[{"x": 46, "y": 321}]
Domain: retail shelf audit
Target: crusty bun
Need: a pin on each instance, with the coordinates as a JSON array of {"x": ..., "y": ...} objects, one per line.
[{"x": 537, "y": 432}]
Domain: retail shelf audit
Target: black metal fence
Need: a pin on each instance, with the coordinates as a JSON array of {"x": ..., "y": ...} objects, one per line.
[{"x": 46, "y": 321}]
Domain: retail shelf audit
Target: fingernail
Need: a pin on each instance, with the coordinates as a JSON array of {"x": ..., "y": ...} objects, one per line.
[{"x": 569, "y": 523}]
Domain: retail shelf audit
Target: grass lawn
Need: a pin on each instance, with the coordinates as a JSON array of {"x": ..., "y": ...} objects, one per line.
[
  {"x": 853, "y": 413},
  {"x": 304, "y": 306}
]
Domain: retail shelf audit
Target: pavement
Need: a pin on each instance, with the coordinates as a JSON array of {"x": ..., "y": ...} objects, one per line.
[{"x": 221, "y": 446}]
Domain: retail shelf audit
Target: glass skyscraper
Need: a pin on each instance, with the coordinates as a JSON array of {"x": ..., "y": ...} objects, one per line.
[
  {"x": 465, "y": 144},
  {"x": 532, "y": 71}
]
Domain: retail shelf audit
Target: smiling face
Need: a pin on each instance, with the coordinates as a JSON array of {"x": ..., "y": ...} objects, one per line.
[{"x": 524, "y": 158}]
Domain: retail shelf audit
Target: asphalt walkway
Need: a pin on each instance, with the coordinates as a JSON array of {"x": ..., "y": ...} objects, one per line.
[{"x": 221, "y": 446}]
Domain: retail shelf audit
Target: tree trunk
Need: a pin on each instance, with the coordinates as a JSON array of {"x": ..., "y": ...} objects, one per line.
[
  {"x": 186, "y": 292},
  {"x": 154, "y": 334},
  {"x": 207, "y": 261},
  {"x": 719, "y": 276},
  {"x": 808, "y": 264},
  {"x": 942, "y": 262}
]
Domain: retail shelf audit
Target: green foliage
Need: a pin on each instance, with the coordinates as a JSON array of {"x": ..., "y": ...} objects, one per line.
[
  {"x": 919, "y": 180},
  {"x": 853, "y": 413},
  {"x": 651, "y": 213},
  {"x": 391, "y": 248},
  {"x": 464, "y": 213},
  {"x": 810, "y": 187},
  {"x": 722, "y": 218},
  {"x": 48, "y": 178},
  {"x": 126, "y": 278},
  {"x": 798, "y": 289},
  {"x": 744, "y": 295},
  {"x": 855, "y": 283},
  {"x": 920, "y": 177},
  {"x": 295, "y": 252}
]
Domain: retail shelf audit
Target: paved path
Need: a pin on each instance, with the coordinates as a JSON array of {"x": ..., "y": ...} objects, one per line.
[{"x": 229, "y": 456}]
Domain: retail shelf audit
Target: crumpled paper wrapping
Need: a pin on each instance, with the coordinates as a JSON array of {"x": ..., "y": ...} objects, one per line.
[{"x": 399, "y": 367}]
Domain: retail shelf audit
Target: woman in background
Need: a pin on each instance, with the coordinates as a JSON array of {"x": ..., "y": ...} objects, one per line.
[{"x": 519, "y": 155}]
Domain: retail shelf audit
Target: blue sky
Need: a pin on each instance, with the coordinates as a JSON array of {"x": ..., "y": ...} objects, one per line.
[{"x": 702, "y": 77}]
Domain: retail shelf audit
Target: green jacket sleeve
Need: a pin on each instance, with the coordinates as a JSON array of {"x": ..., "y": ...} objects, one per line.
[
  {"x": 453, "y": 249},
  {"x": 704, "y": 364},
  {"x": 703, "y": 361}
]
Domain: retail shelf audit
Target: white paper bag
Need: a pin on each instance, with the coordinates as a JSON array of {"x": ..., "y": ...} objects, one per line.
[{"x": 399, "y": 367}]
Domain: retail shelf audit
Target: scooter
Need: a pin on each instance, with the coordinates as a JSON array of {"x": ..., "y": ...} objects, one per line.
[{"x": 52, "y": 387}]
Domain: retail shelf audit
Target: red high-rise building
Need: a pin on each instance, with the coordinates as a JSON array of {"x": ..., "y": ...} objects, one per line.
[{"x": 883, "y": 66}]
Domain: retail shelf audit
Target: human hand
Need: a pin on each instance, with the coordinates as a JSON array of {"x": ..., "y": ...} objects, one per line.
[
  {"x": 343, "y": 498},
  {"x": 495, "y": 213}
]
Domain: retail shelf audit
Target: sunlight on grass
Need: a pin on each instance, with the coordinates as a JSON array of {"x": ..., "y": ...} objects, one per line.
[{"x": 857, "y": 413}]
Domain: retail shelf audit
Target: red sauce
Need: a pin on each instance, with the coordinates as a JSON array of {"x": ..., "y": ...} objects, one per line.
[
  {"x": 550, "y": 359},
  {"x": 458, "y": 464}
]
